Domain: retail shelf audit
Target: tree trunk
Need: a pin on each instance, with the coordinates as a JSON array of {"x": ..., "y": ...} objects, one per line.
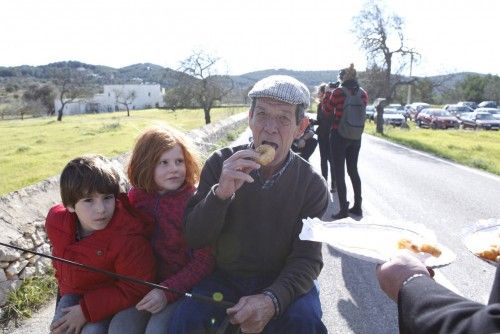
[
  {"x": 207, "y": 115},
  {"x": 380, "y": 119},
  {"x": 128, "y": 111},
  {"x": 60, "y": 113}
]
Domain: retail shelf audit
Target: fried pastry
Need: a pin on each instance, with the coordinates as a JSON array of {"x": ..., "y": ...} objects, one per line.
[
  {"x": 424, "y": 247},
  {"x": 266, "y": 152},
  {"x": 492, "y": 253}
]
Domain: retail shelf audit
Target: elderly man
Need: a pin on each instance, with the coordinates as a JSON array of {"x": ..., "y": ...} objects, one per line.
[{"x": 252, "y": 216}]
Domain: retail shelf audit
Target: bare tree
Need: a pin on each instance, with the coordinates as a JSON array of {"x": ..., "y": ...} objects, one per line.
[
  {"x": 70, "y": 86},
  {"x": 209, "y": 88},
  {"x": 125, "y": 98},
  {"x": 381, "y": 36}
]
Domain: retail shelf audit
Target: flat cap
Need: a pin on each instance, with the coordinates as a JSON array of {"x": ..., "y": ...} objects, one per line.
[{"x": 283, "y": 88}]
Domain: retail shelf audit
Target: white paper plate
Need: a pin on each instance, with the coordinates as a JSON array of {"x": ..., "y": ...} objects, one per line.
[
  {"x": 481, "y": 235},
  {"x": 372, "y": 240}
]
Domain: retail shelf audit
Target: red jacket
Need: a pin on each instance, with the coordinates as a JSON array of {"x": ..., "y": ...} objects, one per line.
[
  {"x": 121, "y": 248},
  {"x": 334, "y": 101},
  {"x": 178, "y": 266}
]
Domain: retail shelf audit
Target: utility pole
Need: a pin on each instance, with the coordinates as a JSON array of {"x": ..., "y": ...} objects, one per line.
[{"x": 408, "y": 99}]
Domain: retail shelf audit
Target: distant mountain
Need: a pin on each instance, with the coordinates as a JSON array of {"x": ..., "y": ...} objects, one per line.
[
  {"x": 310, "y": 78},
  {"x": 98, "y": 75},
  {"x": 95, "y": 74}
]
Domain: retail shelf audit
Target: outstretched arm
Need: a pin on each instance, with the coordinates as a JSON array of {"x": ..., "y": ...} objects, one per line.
[{"x": 424, "y": 306}]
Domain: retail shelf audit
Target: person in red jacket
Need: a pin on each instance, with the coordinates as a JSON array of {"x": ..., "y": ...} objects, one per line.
[
  {"x": 344, "y": 151},
  {"x": 95, "y": 225},
  {"x": 163, "y": 171}
]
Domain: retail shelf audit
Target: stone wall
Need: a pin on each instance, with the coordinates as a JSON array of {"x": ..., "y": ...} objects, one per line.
[{"x": 22, "y": 214}]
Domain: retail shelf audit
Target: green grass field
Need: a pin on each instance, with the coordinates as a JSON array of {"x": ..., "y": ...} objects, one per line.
[
  {"x": 32, "y": 150},
  {"x": 35, "y": 149},
  {"x": 478, "y": 149}
]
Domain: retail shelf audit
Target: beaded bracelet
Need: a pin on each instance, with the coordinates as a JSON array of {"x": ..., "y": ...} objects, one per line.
[
  {"x": 275, "y": 302},
  {"x": 406, "y": 281}
]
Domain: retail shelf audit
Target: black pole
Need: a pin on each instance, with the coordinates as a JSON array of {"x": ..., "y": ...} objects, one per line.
[{"x": 202, "y": 298}]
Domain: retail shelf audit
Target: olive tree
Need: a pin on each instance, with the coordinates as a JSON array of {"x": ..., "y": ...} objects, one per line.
[
  {"x": 70, "y": 86},
  {"x": 209, "y": 87},
  {"x": 125, "y": 98},
  {"x": 381, "y": 35},
  {"x": 42, "y": 96}
]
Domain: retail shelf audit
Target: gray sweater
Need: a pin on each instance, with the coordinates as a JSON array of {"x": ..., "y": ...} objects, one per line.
[{"x": 256, "y": 232}]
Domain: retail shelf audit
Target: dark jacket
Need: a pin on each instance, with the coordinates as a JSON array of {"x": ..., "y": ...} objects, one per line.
[
  {"x": 256, "y": 233},
  {"x": 324, "y": 121},
  {"x": 424, "y": 306}
]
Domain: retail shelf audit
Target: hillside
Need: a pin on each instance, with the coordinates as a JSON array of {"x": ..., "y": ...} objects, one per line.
[
  {"x": 147, "y": 72},
  {"x": 19, "y": 78},
  {"x": 94, "y": 74}
]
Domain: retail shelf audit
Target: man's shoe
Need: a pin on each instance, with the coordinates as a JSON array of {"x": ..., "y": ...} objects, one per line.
[
  {"x": 356, "y": 210},
  {"x": 340, "y": 215}
]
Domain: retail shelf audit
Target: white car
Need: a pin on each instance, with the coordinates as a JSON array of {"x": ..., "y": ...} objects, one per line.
[
  {"x": 392, "y": 117},
  {"x": 370, "y": 111},
  {"x": 494, "y": 111}
]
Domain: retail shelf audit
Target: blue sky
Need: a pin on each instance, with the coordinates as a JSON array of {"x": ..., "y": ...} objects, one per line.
[{"x": 452, "y": 36}]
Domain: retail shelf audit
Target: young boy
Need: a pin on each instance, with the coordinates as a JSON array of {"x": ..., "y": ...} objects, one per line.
[{"x": 96, "y": 226}]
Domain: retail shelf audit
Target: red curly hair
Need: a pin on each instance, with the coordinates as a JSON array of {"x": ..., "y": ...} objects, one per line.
[{"x": 148, "y": 149}]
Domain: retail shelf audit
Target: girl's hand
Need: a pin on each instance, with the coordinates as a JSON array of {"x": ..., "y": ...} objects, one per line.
[
  {"x": 72, "y": 322},
  {"x": 153, "y": 302}
]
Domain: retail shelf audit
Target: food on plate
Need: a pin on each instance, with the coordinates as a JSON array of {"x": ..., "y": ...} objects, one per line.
[
  {"x": 416, "y": 248},
  {"x": 491, "y": 253},
  {"x": 430, "y": 249},
  {"x": 266, "y": 152}
]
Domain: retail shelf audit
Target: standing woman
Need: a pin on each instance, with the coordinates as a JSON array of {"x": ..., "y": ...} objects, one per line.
[
  {"x": 345, "y": 151},
  {"x": 324, "y": 122}
]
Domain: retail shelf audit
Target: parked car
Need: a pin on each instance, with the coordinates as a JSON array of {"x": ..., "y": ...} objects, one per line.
[
  {"x": 480, "y": 120},
  {"x": 470, "y": 104},
  {"x": 455, "y": 109},
  {"x": 463, "y": 114},
  {"x": 437, "y": 119},
  {"x": 487, "y": 104},
  {"x": 494, "y": 111},
  {"x": 370, "y": 111},
  {"x": 392, "y": 117},
  {"x": 396, "y": 106},
  {"x": 415, "y": 108}
]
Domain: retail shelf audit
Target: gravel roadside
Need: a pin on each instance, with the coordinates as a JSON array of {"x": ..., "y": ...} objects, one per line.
[{"x": 38, "y": 323}]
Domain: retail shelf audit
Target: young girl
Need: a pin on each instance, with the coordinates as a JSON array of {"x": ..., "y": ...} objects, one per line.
[{"x": 163, "y": 171}]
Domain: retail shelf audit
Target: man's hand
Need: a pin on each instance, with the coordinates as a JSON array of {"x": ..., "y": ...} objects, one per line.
[
  {"x": 235, "y": 171},
  {"x": 393, "y": 273},
  {"x": 72, "y": 322},
  {"x": 153, "y": 302},
  {"x": 252, "y": 313}
]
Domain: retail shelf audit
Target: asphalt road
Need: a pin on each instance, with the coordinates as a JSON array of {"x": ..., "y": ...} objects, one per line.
[
  {"x": 405, "y": 185},
  {"x": 398, "y": 184}
]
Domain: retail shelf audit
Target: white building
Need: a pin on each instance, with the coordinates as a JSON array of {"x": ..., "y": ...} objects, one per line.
[
  {"x": 113, "y": 99},
  {"x": 76, "y": 107}
]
